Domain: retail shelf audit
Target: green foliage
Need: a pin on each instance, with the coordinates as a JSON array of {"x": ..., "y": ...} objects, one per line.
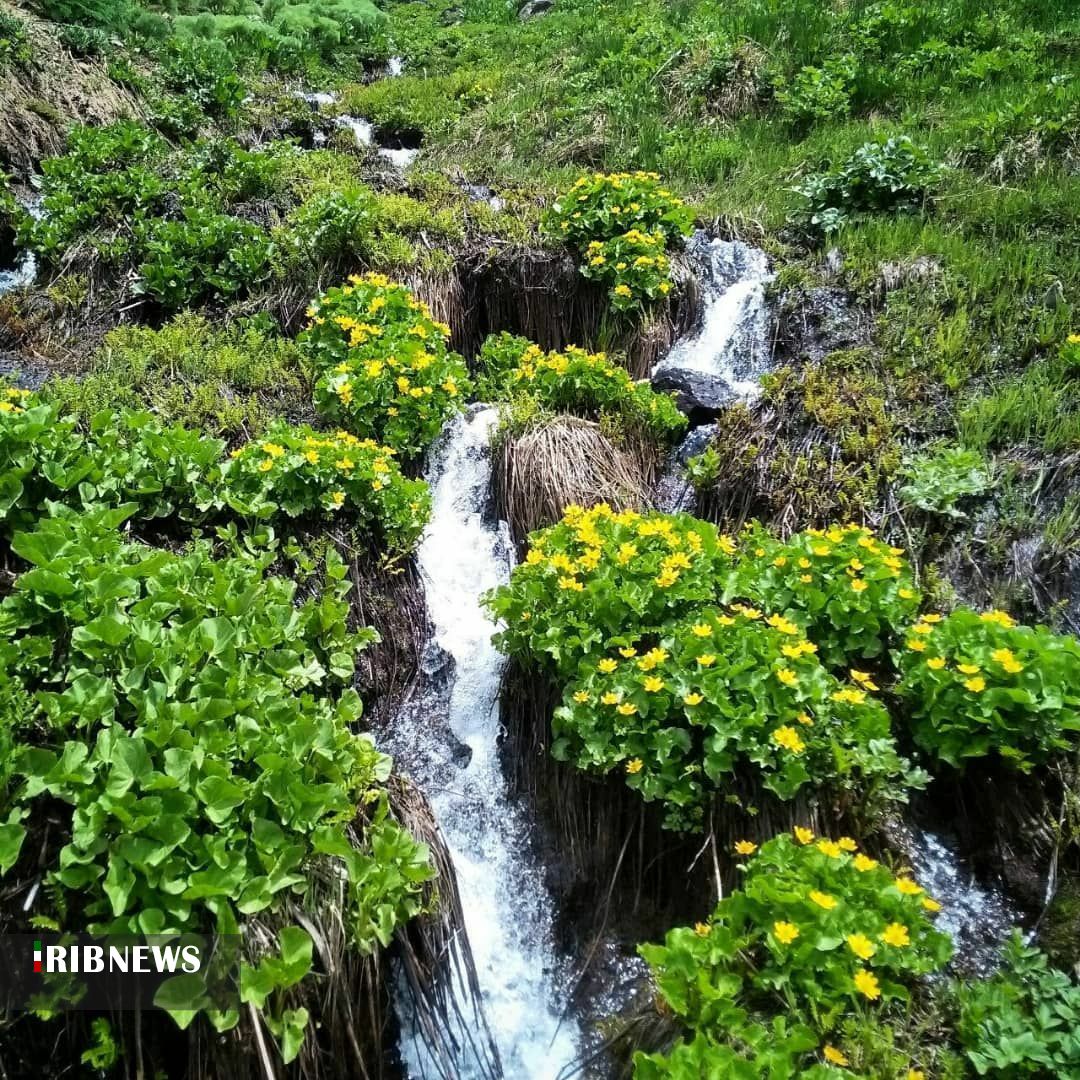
[
  {"x": 621, "y": 223},
  {"x": 1022, "y": 1022},
  {"x": 14, "y": 44},
  {"x": 296, "y": 470},
  {"x": 195, "y": 719},
  {"x": 817, "y": 93},
  {"x": 980, "y": 684},
  {"x": 850, "y": 592},
  {"x": 205, "y": 73},
  {"x": 382, "y": 366},
  {"x": 222, "y": 379},
  {"x": 937, "y": 481},
  {"x": 600, "y": 579},
  {"x": 575, "y": 381},
  {"x": 885, "y": 175},
  {"x": 816, "y": 931},
  {"x": 84, "y": 40},
  {"x": 725, "y": 694}
]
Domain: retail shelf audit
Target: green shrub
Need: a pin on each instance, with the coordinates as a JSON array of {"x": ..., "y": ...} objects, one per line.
[
  {"x": 14, "y": 44},
  {"x": 382, "y": 366},
  {"x": 817, "y": 930},
  {"x": 980, "y": 684},
  {"x": 817, "y": 93},
  {"x": 847, "y": 590},
  {"x": 575, "y": 381},
  {"x": 205, "y": 72},
  {"x": 885, "y": 175},
  {"x": 84, "y": 40},
  {"x": 937, "y": 481},
  {"x": 197, "y": 721},
  {"x": 620, "y": 223},
  {"x": 1022, "y": 1022},
  {"x": 600, "y": 579},
  {"x": 722, "y": 695},
  {"x": 296, "y": 471}
]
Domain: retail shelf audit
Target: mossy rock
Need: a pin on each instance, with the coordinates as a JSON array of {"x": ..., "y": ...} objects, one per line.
[{"x": 1059, "y": 934}]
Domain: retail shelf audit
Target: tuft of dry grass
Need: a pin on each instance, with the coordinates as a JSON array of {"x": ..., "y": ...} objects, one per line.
[{"x": 562, "y": 461}]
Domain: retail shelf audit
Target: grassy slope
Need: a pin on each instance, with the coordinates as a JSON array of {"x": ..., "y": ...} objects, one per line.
[{"x": 690, "y": 89}]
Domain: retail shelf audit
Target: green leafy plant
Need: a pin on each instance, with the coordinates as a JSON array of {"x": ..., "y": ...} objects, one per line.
[
  {"x": 14, "y": 44},
  {"x": 980, "y": 684},
  {"x": 851, "y": 592},
  {"x": 817, "y": 930},
  {"x": 1022, "y": 1022},
  {"x": 725, "y": 693},
  {"x": 885, "y": 175},
  {"x": 383, "y": 369},
  {"x": 937, "y": 481},
  {"x": 297, "y": 470},
  {"x": 599, "y": 579},
  {"x": 817, "y": 93},
  {"x": 621, "y": 224},
  {"x": 575, "y": 381}
]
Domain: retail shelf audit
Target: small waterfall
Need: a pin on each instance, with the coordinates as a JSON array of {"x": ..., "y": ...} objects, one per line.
[
  {"x": 394, "y": 66},
  {"x": 362, "y": 130},
  {"x": 401, "y": 157},
  {"x": 447, "y": 740},
  {"x": 24, "y": 272},
  {"x": 719, "y": 362},
  {"x": 979, "y": 919}
]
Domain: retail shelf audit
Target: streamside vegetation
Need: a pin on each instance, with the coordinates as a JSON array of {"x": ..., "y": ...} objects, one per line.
[{"x": 237, "y": 312}]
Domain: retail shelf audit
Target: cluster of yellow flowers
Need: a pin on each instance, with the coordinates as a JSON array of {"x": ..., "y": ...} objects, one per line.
[
  {"x": 312, "y": 452},
  {"x": 971, "y": 676},
  {"x": 13, "y": 400}
]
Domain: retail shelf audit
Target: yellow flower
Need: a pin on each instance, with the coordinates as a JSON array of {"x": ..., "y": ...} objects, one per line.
[
  {"x": 847, "y": 844},
  {"x": 861, "y": 946},
  {"x": 999, "y": 617},
  {"x": 785, "y": 932},
  {"x": 701, "y": 929},
  {"x": 701, "y": 629},
  {"x": 863, "y": 679},
  {"x": 867, "y": 985},
  {"x": 628, "y": 651},
  {"x": 907, "y": 886},
  {"x": 822, "y": 550},
  {"x": 634, "y": 765},
  {"x": 863, "y": 863},
  {"x": 652, "y": 684},
  {"x": 823, "y": 900},
  {"x": 535, "y": 556},
  {"x": 916, "y": 645},
  {"x": 609, "y": 699},
  {"x": 581, "y": 697},
  {"x": 896, "y": 934},
  {"x": 745, "y": 847},
  {"x": 805, "y": 719},
  {"x": 804, "y": 836},
  {"x": 916, "y": 1074},
  {"x": 338, "y": 497},
  {"x": 607, "y": 665},
  {"x": 930, "y": 904},
  {"x": 706, "y": 659},
  {"x": 788, "y": 738},
  {"x": 692, "y": 699},
  {"x": 905, "y": 594},
  {"x": 666, "y": 578},
  {"x": 266, "y": 464},
  {"x": 312, "y": 456},
  {"x": 858, "y": 585},
  {"x": 935, "y": 663},
  {"x": 830, "y": 848},
  {"x": 968, "y": 669},
  {"x": 571, "y": 584},
  {"x": 626, "y": 709},
  {"x": 976, "y": 685},
  {"x": 833, "y": 1056},
  {"x": 787, "y": 677},
  {"x": 623, "y": 290}
]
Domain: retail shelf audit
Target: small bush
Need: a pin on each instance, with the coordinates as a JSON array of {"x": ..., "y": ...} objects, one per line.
[
  {"x": 383, "y": 369},
  {"x": 980, "y": 684},
  {"x": 599, "y": 580},
  {"x": 817, "y": 93},
  {"x": 816, "y": 930},
  {"x": 937, "y": 481},
  {"x": 14, "y": 44},
  {"x": 724, "y": 693},
  {"x": 886, "y": 175},
  {"x": 204, "y": 72},
  {"x": 297, "y": 471},
  {"x": 849, "y": 591},
  {"x": 575, "y": 381},
  {"x": 84, "y": 40}
]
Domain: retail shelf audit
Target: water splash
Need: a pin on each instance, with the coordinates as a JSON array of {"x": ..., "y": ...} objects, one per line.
[
  {"x": 401, "y": 157},
  {"x": 721, "y": 361},
  {"x": 448, "y": 742},
  {"x": 363, "y": 131},
  {"x": 394, "y": 66},
  {"x": 978, "y": 918},
  {"x": 24, "y": 272}
]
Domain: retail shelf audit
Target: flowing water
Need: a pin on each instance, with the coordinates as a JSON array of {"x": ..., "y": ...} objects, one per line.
[
  {"x": 977, "y": 918},
  {"x": 448, "y": 743},
  {"x": 25, "y": 269},
  {"x": 721, "y": 360}
]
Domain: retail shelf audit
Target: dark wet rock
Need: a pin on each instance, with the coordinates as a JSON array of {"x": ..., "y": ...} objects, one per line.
[
  {"x": 674, "y": 492},
  {"x": 811, "y": 323},
  {"x": 16, "y": 370},
  {"x": 452, "y": 16},
  {"x": 533, "y": 8},
  {"x": 699, "y": 394}
]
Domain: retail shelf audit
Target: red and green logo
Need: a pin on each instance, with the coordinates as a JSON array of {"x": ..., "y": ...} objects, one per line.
[{"x": 37, "y": 956}]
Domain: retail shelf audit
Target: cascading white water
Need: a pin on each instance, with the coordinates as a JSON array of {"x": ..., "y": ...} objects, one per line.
[
  {"x": 448, "y": 743},
  {"x": 721, "y": 361},
  {"x": 978, "y": 919},
  {"x": 25, "y": 269},
  {"x": 362, "y": 130}
]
